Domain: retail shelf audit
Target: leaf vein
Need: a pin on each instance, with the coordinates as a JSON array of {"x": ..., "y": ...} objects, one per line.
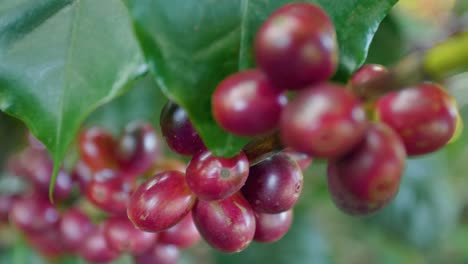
[{"x": 243, "y": 49}]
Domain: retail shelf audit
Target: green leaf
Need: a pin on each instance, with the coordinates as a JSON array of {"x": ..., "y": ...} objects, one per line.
[
  {"x": 143, "y": 102},
  {"x": 12, "y": 137},
  {"x": 303, "y": 244},
  {"x": 388, "y": 45},
  {"x": 192, "y": 45},
  {"x": 59, "y": 60}
]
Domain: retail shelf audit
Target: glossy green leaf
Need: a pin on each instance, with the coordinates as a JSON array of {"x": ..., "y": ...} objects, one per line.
[
  {"x": 388, "y": 45},
  {"x": 12, "y": 137},
  {"x": 192, "y": 45},
  {"x": 143, "y": 102},
  {"x": 60, "y": 59}
]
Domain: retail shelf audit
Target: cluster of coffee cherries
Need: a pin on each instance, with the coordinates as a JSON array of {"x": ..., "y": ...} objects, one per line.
[
  {"x": 231, "y": 202},
  {"x": 107, "y": 173},
  {"x": 366, "y": 143},
  {"x": 155, "y": 206}
]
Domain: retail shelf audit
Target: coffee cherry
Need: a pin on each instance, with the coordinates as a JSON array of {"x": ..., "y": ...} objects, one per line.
[
  {"x": 296, "y": 46},
  {"x": 323, "y": 121},
  {"x": 48, "y": 243},
  {"x": 122, "y": 236},
  {"x": 37, "y": 166},
  {"x": 368, "y": 178},
  {"x": 425, "y": 117},
  {"x": 159, "y": 254},
  {"x": 74, "y": 228},
  {"x": 227, "y": 225},
  {"x": 82, "y": 175},
  {"x": 111, "y": 194},
  {"x": 182, "y": 235},
  {"x": 274, "y": 185},
  {"x": 139, "y": 147},
  {"x": 361, "y": 80},
  {"x": 178, "y": 131},
  {"x": 6, "y": 203},
  {"x": 303, "y": 160},
  {"x": 160, "y": 202},
  {"x": 246, "y": 104},
  {"x": 34, "y": 214},
  {"x": 95, "y": 248},
  {"x": 97, "y": 149},
  {"x": 216, "y": 178},
  {"x": 272, "y": 227}
]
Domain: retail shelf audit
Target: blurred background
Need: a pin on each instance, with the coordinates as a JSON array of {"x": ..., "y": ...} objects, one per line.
[{"x": 426, "y": 223}]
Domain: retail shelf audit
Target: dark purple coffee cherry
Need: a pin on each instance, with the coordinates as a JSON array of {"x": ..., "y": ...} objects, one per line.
[
  {"x": 274, "y": 185},
  {"x": 178, "y": 131}
]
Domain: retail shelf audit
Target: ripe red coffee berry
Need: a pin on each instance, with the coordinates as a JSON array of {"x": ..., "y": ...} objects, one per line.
[
  {"x": 216, "y": 178},
  {"x": 178, "y": 131},
  {"x": 361, "y": 80},
  {"x": 111, "y": 194},
  {"x": 227, "y": 225},
  {"x": 368, "y": 178},
  {"x": 138, "y": 148},
  {"x": 34, "y": 214},
  {"x": 159, "y": 254},
  {"x": 160, "y": 202},
  {"x": 95, "y": 248},
  {"x": 425, "y": 117},
  {"x": 323, "y": 121},
  {"x": 246, "y": 104},
  {"x": 182, "y": 235},
  {"x": 97, "y": 149},
  {"x": 122, "y": 236},
  {"x": 74, "y": 228},
  {"x": 272, "y": 227},
  {"x": 47, "y": 243},
  {"x": 274, "y": 185},
  {"x": 37, "y": 166},
  {"x": 6, "y": 203},
  {"x": 296, "y": 46}
]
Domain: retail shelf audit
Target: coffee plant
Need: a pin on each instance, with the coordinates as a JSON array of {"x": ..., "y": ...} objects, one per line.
[{"x": 151, "y": 131}]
